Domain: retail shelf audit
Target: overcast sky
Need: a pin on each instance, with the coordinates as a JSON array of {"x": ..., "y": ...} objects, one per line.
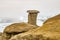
[{"x": 18, "y": 8}]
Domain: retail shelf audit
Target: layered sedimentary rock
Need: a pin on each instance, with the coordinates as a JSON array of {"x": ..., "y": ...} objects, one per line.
[
  {"x": 49, "y": 31},
  {"x": 17, "y": 28}
]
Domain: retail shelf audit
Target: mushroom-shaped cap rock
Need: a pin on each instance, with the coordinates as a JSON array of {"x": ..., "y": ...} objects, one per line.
[
  {"x": 33, "y": 11},
  {"x": 18, "y": 27}
]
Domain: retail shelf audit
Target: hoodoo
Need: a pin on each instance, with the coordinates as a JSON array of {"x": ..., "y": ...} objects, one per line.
[{"x": 32, "y": 16}]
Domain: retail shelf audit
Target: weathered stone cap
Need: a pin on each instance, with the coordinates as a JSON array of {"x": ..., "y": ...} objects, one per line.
[
  {"x": 18, "y": 27},
  {"x": 33, "y": 11}
]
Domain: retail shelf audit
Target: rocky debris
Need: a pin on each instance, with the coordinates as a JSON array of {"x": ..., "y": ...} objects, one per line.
[
  {"x": 17, "y": 28},
  {"x": 49, "y": 31}
]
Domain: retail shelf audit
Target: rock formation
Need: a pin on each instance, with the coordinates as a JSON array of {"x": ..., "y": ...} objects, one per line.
[
  {"x": 49, "y": 31},
  {"x": 32, "y": 16},
  {"x": 17, "y": 28},
  {"x": 29, "y": 31}
]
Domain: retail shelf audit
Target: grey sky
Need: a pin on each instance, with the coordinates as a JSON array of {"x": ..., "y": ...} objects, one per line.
[{"x": 17, "y": 8}]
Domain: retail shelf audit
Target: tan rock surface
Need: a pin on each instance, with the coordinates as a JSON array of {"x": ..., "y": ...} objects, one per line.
[
  {"x": 49, "y": 31},
  {"x": 37, "y": 36},
  {"x": 17, "y": 28},
  {"x": 52, "y": 24}
]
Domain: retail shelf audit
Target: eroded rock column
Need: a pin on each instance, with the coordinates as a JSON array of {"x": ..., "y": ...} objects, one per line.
[{"x": 32, "y": 16}]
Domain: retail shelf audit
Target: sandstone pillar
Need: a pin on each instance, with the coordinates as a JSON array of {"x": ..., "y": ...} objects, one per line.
[{"x": 32, "y": 16}]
